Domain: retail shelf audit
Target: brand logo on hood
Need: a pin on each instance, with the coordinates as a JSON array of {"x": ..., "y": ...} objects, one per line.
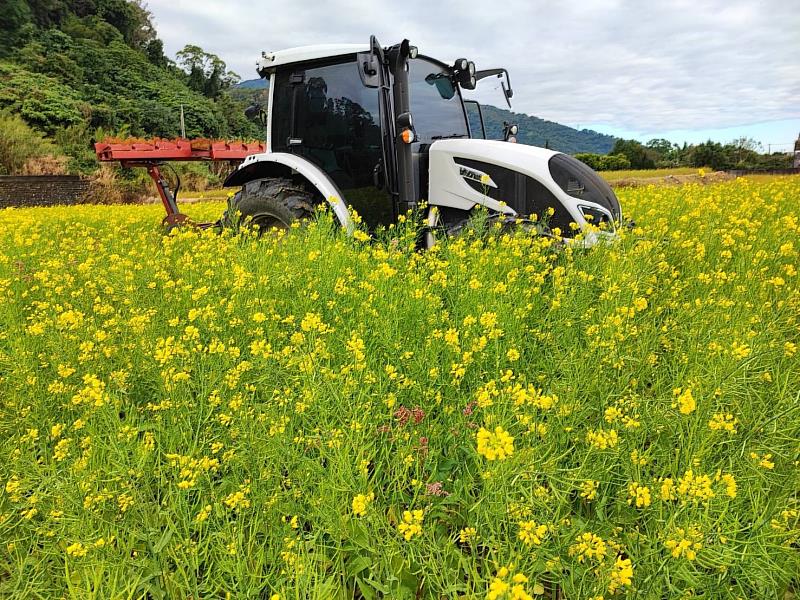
[{"x": 475, "y": 175}]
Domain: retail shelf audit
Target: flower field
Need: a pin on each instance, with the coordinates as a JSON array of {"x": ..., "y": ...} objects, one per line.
[{"x": 316, "y": 416}]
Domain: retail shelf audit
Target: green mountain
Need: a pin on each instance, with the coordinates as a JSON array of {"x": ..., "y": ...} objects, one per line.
[
  {"x": 255, "y": 84},
  {"x": 78, "y": 69},
  {"x": 532, "y": 130},
  {"x": 540, "y": 132}
]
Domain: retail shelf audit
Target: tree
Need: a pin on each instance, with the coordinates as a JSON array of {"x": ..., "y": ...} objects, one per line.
[
  {"x": 154, "y": 49},
  {"x": 744, "y": 151},
  {"x": 41, "y": 100},
  {"x": 639, "y": 156},
  {"x": 604, "y": 162},
  {"x": 206, "y": 73},
  {"x": 13, "y": 16},
  {"x": 130, "y": 18},
  {"x": 47, "y": 13},
  {"x": 91, "y": 27},
  {"x": 710, "y": 154},
  {"x": 665, "y": 150}
]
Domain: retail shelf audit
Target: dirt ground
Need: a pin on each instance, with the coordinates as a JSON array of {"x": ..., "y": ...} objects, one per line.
[{"x": 670, "y": 180}]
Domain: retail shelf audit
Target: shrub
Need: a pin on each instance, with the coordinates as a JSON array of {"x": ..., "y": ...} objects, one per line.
[
  {"x": 45, "y": 165},
  {"x": 111, "y": 184},
  {"x": 41, "y": 100},
  {"x": 20, "y": 146},
  {"x": 605, "y": 162},
  {"x": 75, "y": 142}
]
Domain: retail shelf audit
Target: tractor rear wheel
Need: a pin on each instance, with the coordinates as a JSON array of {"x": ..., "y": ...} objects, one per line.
[{"x": 265, "y": 204}]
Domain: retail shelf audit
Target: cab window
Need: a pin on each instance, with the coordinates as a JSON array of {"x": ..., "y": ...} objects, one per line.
[{"x": 435, "y": 102}]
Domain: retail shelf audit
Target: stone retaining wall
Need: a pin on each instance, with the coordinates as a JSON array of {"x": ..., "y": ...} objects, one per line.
[{"x": 42, "y": 190}]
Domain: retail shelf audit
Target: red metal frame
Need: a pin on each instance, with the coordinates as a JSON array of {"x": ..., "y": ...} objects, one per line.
[
  {"x": 166, "y": 198},
  {"x": 150, "y": 155},
  {"x": 165, "y": 150}
]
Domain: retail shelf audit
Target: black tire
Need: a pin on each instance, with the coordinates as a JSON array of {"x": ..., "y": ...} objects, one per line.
[{"x": 269, "y": 203}]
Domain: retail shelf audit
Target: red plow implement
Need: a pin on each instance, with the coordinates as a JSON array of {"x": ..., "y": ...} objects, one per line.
[{"x": 152, "y": 155}]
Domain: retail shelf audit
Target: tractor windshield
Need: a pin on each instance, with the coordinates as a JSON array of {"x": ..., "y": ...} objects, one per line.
[{"x": 435, "y": 102}]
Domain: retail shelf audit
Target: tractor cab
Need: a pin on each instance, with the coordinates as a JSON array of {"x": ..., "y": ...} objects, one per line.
[{"x": 380, "y": 129}]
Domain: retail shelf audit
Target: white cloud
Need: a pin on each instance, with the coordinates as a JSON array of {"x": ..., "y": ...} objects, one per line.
[{"x": 643, "y": 66}]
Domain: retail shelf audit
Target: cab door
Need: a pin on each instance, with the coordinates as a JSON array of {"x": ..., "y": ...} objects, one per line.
[{"x": 333, "y": 120}]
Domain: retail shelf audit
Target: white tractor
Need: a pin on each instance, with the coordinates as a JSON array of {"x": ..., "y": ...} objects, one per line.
[{"x": 380, "y": 130}]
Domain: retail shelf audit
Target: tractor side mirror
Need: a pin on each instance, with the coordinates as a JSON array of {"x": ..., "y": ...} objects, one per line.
[
  {"x": 254, "y": 112},
  {"x": 369, "y": 63}
]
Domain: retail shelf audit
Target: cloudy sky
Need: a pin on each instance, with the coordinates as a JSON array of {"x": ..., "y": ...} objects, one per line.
[{"x": 686, "y": 70}]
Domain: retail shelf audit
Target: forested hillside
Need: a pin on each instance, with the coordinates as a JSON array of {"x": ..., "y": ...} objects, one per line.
[
  {"x": 73, "y": 69},
  {"x": 539, "y": 132}
]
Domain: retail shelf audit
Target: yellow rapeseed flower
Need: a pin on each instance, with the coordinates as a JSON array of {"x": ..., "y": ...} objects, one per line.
[
  {"x": 361, "y": 502},
  {"x": 723, "y": 422},
  {"x": 588, "y": 546},
  {"x": 495, "y": 445},
  {"x": 685, "y": 542},
  {"x": 621, "y": 574},
  {"x": 602, "y": 439},
  {"x": 467, "y": 534},
  {"x": 686, "y": 402},
  {"x": 589, "y": 489},
  {"x": 638, "y": 494},
  {"x": 411, "y": 525},
  {"x": 531, "y": 533}
]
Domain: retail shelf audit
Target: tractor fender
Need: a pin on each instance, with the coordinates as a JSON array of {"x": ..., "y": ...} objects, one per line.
[{"x": 283, "y": 164}]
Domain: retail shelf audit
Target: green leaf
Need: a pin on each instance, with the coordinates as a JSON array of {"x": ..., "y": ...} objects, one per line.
[{"x": 165, "y": 538}]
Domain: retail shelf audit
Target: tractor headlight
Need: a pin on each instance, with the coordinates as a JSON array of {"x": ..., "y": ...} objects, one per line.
[
  {"x": 464, "y": 72},
  {"x": 594, "y": 216}
]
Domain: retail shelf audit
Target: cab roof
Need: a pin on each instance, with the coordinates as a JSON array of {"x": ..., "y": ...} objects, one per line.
[{"x": 270, "y": 60}]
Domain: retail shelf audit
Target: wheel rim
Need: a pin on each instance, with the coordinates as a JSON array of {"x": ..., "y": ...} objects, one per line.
[{"x": 265, "y": 222}]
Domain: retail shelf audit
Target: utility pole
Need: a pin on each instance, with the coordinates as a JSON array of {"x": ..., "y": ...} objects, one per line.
[{"x": 183, "y": 124}]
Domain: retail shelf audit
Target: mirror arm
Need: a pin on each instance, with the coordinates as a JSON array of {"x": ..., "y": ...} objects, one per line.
[
  {"x": 507, "y": 93},
  {"x": 487, "y": 73}
]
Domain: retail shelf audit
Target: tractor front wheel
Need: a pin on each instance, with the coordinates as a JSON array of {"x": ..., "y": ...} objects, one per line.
[{"x": 265, "y": 204}]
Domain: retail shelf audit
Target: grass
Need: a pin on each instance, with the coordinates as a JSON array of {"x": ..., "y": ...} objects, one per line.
[
  {"x": 314, "y": 416},
  {"x": 210, "y": 195},
  {"x": 647, "y": 173}
]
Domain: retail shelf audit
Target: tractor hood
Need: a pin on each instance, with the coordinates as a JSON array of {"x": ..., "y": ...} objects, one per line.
[{"x": 526, "y": 179}]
